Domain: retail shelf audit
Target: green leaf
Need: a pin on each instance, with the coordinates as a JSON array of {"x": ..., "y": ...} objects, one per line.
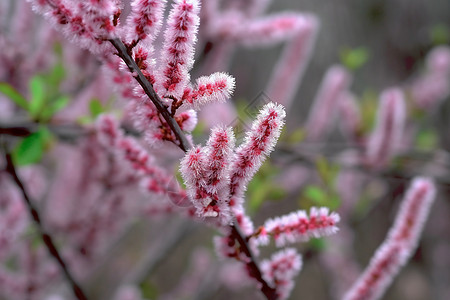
[
  {"x": 427, "y": 140},
  {"x": 56, "y": 76},
  {"x": 31, "y": 149},
  {"x": 13, "y": 94},
  {"x": 314, "y": 193},
  {"x": 54, "y": 107},
  {"x": 200, "y": 129},
  {"x": 440, "y": 34},
  {"x": 149, "y": 290},
  {"x": 37, "y": 90},
  {"x": 95, "y": 108},
  {"x": 297, "y": 136},
  {"x": 369, "y": 104},
  {"x": 354, "y": 59},
  {"x": 327, "y": 171},
  {"x": 318, "y": 244},
  {"x": 277, "y": 193}
]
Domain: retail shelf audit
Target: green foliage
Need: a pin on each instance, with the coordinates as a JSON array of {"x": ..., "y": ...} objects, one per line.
[
  {"x": 96, "y": 108},
  {"x": 200, "y": 129},
  {"x": 323, "y": 194},
  {"x": 149, "y": 290},
  {"x": 354, "y": 59},
  {"x": 328, "y": 172},
  {"x": 317, "y": 244},
  {"x": 426, "y": 139},
  {"x": 262, "y": 187},
  {"x": 31, "y": 149},
  {"x": 13, "y": 94},
  {"x": 368, "y": 108},
  {"x": 37, "y": 101},
  {"x": 440, "y": 34},
  {"x": 55, "y": 106},
  {"x": 45, "y": 98}
]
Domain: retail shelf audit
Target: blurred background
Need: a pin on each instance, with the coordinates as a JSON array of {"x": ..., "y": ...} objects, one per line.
[{"x": 381, "y": 44}]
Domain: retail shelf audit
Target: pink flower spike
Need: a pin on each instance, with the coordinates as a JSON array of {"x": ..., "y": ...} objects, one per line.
[
  {"x": 259, "y": 142},
  {"x": 291, "y": 66},
  {"x": 192, "y": 167},
  {"x": 349, "y": 116},
  {"x": 280, "y": 270},
  {"x": 298, "y": 227},
  {"x": 206, "y": 174},
  {"x": 145, "y": 19},
  {"x": 385, "y": 140},
  {"x": 216, "y": 87},
  {"x": 399, "y": 245},
  {"x": 187, "y": 120},
  {"x": 271, "y": 30},
  {"x": 438, "y": 60},
  {"x": 323, "y": 112},
  {"x": 219, "y": 149},
  {"x": 434, "y": 85},
  {"x": 178, "y": 50}
]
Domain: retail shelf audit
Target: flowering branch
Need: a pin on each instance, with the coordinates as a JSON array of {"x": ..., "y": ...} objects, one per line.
[
  {"x": 148, "y": 88},
  {"x": 184, "y": 145},
  {"x": 252, "y": 267},
  {"x": 46, "y": 237}
]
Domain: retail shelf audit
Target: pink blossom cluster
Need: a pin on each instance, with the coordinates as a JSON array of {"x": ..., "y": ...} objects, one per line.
[
  {"x": 96, "y": 23},
  {"x": 385, "y": 140},
  {"x": 217, "y": 174},
  {"x": 298, "y": 227},
  {"x": 400, "y": 242},
  {"x": 113, "y": 178},
  {"x": 280, "y": 270},
  {"x": 432, "y": 87}
]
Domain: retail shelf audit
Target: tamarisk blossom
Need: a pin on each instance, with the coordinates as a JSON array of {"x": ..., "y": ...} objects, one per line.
[
  {"x": 385, "y": 139},
  {"x": 289, "y": 70},
  {"x": 298, "y": 227},
  {"x": 205, "y": 171},
  {"x": 280, "y": 270},
  {"x": 399, "y": 245},
  {"x": 350, "y": 117},
  {"x": 153, "y": 179},
  {"x": 257, "y": 145},
  {"x": 88, "y": 23},
  {"x": 214, "y": 88},
  {"x": 216, "y": 175},
  {"x": 325, "y": 105},
  {"x": 145, "y": 20},
  {"x": 433, "y": 86},
  {"x": 178, "y": 48},
  {"x": 92, "y": 24}
]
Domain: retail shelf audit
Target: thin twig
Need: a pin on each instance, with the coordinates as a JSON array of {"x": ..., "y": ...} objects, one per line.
[
  {"x": 148, "y": 88},
  {"x": 252, "y": 267},
  {"x": 46, "y": 237}
]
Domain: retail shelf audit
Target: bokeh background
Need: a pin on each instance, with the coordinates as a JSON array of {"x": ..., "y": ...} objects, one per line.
[{"x": 171, "y": 258}]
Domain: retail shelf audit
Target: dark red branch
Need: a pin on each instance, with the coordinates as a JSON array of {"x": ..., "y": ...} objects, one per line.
[
  {"x": 122, "y": 52},
  {"x": 252, "y": 267},
  {"x": 46, "y": 237}
]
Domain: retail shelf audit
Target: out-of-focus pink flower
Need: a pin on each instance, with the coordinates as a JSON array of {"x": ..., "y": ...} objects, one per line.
[
  {"x": 385, "y": 140},
  {"x": 399, "y": 245},
  {"x": 323, "y": 112},
  {"x": 280, "y": 270}
]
